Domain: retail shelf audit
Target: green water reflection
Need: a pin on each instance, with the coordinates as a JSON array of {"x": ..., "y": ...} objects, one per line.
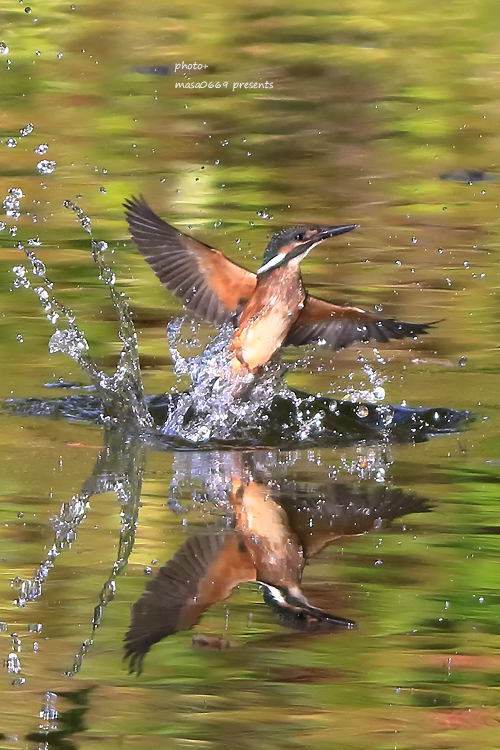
[{"x": 372, "y": 101}]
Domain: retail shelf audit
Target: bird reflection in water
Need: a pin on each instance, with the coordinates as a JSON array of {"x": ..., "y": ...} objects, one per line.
[{"x": 275, "y": 528}]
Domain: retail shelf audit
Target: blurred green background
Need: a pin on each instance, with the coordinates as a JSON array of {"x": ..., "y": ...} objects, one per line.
[{"x": 381, "y": 113}]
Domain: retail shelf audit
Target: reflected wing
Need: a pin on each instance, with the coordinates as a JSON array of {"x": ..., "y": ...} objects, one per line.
[
  {"x": 201, "y": 573},
  {"x": 321, "y": 515},
  {"x": 205, "y": 280},
  {"x": 340, "y": 326}
]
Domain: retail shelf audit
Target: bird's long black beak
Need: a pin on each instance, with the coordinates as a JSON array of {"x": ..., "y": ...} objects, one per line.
[
  {"x": 327, "y": 232},
  {"x": 324, "y": 234},
  {"x": 295, "y": 612}
]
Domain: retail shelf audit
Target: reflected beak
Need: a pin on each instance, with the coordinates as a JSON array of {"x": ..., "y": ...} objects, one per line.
[{"x": 295, "y": 612}]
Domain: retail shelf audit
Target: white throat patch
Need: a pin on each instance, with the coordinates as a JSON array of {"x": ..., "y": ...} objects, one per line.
[
  {"x": 271, "y": 263},
  {"x": 279, "y": 259}
]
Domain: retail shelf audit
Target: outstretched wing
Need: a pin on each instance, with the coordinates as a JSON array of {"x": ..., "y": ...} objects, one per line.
[
  {"x": 202, "y": 572},
  {"x": 319, "y": 515},
  {"x": 340, "y": 326},
  {"x": 207, "y": 282}
]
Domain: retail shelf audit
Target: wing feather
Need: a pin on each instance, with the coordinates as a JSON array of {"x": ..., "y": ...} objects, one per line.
[
  {"x": 186, "y": 266},
  {"x": 340, "y": 326},
  {"x": 201, "y": 573}
]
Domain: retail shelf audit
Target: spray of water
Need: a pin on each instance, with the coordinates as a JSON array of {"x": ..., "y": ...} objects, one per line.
[
  {"x": 122, "y": 392},
  {"x": 260, "y": 409},
  {"x": 212, "y": 408}
]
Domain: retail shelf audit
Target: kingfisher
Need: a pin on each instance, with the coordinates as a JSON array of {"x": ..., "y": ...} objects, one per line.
[
  {"x": 269, "y": 309},
  {"x": 274, "y": 532}
]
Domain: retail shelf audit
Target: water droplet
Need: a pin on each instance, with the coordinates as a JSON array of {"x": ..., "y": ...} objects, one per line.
[
  {"x": 21, "y": 341},
  {"x": 362, "y": 411},
  {"x": 68, "y": 341},
  {"x": 414, "y": 240},
  {"x": 102, "y": 190},
  {"x": 48, "y": 712},
  {"x": 12, "y": 663},
  {"x": 45, "y": 166},
  {"x": 462, "y": 361},
  {"x": 20, "y": 279},
  {"x": 11, "y": 143},
  {"x": 386, "y": 414},
  {"x": 41, "y": 149},
  {"x": 59, "y": 55},
  {"x": 4, "y": 50},
  {"x": 27, "y": 9},
  {"x": 29, "y": 128}
]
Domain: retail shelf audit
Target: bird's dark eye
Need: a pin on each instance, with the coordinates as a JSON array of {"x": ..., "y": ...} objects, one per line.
[{"x": 299, "y": 236}]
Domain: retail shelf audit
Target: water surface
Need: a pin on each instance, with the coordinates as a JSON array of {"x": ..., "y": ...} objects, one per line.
[{"x": 372, "y": 105}]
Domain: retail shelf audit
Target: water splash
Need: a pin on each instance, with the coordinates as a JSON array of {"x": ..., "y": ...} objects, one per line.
[
  {"x": 65, "y": 524},
  {"x": 206, "y": 476},
  {"x": 118, "y": 469},
  {"x": 211, "y": 410},
  {"x": 122, "y": 392},
  {"x": 257, "y": 410}
]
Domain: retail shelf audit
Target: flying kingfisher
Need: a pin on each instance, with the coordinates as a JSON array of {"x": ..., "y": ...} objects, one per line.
[{"x": 269, "y": 309}]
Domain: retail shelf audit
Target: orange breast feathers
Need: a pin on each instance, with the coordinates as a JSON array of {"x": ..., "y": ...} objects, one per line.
[{"x": 267, "y": 319}]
